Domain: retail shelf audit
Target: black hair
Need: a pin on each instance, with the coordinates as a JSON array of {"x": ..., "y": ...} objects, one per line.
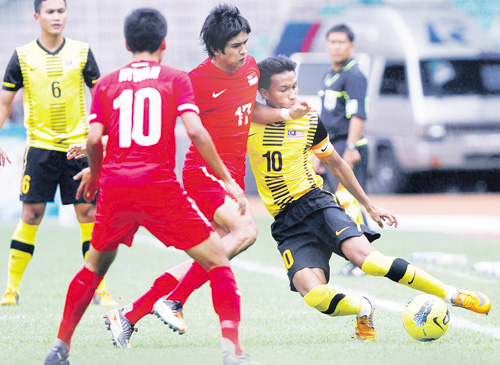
[
  {"x": 38, "y": 4},
  {"x": 223, "y": 23},
  {"x": 343, "y": 29},
  {"x": 145, "y": 29},
  {"x": 272, "y": 66}
]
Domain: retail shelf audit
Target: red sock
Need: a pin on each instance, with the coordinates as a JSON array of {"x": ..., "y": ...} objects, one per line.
[
  {"x": 226, "y": 301},
  {"x": 194, "y": 278},
  {"x": 80, "y": 293},
  {"x": 142, "y": 306}
]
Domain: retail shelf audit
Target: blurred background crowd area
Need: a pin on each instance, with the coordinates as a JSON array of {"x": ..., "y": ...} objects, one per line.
[{"x": 100, "y": 23}]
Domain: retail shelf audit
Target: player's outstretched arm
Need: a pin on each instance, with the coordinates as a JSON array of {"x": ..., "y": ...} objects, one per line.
[
  {"x": 6, "y": 98},
  {"x": 3, "y": 158},
  {"x": 264, "y": 114},
  {"x": 90, "y": 176},
  {"x": 345, "y": 176},
  {"x": 203, "y": 142},
  {"x": 78, "y": 151}
]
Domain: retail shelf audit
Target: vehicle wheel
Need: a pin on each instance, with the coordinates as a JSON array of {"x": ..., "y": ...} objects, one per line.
[{"x": 388, "y": 178}]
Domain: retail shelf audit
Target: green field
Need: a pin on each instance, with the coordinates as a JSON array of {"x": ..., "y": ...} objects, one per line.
[{"x": 277, "y": 326}]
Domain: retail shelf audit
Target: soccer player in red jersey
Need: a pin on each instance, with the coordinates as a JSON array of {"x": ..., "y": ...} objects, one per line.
[
  {"x": 136, "y": 107},
  {"x": 225, "y": 87}
]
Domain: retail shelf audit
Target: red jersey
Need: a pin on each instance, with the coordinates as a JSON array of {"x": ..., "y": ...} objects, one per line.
[
  {"x": 138, "y": 106},
  {"x": 226, "y": 101}
]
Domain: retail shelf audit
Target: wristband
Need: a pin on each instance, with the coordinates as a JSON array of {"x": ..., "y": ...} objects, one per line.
[
  {"x": 351, "y": 146},
  {"x": 285, "y": 114}
]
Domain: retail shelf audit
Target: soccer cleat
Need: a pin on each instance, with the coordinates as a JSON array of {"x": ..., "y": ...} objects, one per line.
[
  {"x": 104, "y": 299},
  {"x": 58, "y": 354},
  {"x": 120, "y": 327},
  {"x": 170, "y": 312},
  {"x": 364, "y": 327},
  {"x": 472, "y": 300},
  {"x": 232, "y": 359},
  {"x": 10, "y": 297}
]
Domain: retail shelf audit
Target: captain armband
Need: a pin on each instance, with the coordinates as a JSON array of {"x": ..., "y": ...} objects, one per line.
[{"x": 323, "y": 149}]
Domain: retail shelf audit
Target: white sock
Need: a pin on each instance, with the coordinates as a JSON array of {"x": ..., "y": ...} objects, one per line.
[
  {"x": 366, "y": 307},
  {"x": 127, "y": 308},
  {"x": 451, "y": 294},
  {"x": 228, "y": 346}
]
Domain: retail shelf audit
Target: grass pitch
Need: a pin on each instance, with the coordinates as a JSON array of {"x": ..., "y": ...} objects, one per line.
[{"x": 277, "y": 326}]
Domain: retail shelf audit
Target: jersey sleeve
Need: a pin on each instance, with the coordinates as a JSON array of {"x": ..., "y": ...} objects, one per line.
[
  {"x": 91, "y": 70},
  {"x": 98, "y": 106},
  {"x": 355, "y": 87},
  {"x": 322, "y": 146},
  {"x": 13, "y": 79},
  {"x": 186, "y": 100}
]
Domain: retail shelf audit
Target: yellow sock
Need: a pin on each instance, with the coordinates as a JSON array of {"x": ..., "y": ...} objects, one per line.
[
  {"x": 86, "y": 235},
  {"x": 22, "y": 248},
  {"x": 402, "y": 272},
  {"x": 332, "y": 303}
]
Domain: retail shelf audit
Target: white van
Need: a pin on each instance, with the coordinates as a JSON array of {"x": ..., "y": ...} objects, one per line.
[{"x": 433, "y": 88}]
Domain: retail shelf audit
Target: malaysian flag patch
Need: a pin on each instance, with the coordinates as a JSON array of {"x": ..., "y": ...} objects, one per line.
[{"x": 292, "y": 134}]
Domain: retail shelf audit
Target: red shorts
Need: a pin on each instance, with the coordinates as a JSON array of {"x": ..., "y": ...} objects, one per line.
[
  {"x": 206, "y": 189},
  {"x": 175, "y": 222}
]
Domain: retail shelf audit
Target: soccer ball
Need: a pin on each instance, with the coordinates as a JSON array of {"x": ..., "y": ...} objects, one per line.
[{"x": 426, "y": 317}]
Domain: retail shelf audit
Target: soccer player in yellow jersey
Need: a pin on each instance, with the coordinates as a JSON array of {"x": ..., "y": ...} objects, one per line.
[
  {"x": 53, "y": 71},
  {"x": 309, "y": 223}
]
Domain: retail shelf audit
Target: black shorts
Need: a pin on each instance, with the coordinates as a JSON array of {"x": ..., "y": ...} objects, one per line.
[
  {"x": 310, "y": 229},
  {"x": 44, "y": 170}
]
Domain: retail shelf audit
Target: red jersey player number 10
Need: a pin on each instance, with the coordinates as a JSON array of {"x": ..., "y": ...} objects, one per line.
[{"x": 132, "y": 106}]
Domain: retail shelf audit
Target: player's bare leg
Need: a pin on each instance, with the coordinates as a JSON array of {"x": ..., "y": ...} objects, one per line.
[
  {"x": 238, "y": 232},
  {"x": 361, "y": 253}
]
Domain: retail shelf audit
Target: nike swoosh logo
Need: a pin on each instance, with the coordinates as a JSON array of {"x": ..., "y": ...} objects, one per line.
[
  {"x": 413, "y": 279},
  {"x": 342, "y": 230},
  {"x": 436, "y": 322},
  {"x": 253, "y": 134},
  {"x": 216, "y": 95},
  {"x": 481, "y": 299},
  {"x": 323, "y": 149}
]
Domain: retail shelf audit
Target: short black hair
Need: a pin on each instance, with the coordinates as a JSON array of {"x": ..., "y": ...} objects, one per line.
[
  {"x": 145, "y": 29},
  {"x": 38, "y": 4},
  {"x": 343, "y": 29},
  {"x": 223, "y": 23},
  {"x": 272, "y": 66}
]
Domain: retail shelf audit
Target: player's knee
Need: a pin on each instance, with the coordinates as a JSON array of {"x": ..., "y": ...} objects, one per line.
[
  {"x": 247, "y": 234},
  {"x": 251, "y": 233},
  {"x": 85, "y": 212},
  {"x": 32, "y": 215}
]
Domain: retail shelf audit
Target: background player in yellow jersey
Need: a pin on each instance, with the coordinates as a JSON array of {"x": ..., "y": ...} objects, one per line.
[
  {"x": 309, "y": 223},
  {"x": 53, "y": 71}
]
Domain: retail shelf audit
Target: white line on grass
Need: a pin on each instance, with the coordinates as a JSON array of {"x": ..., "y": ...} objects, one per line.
[
  {"x": 456, "y": 224},
  {"x": 280, "y": 274}
]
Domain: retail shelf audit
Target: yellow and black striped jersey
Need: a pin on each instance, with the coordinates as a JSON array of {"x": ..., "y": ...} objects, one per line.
[
  {"x": 54, "y": 91},
  {"x": 281, "y": 159}
]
